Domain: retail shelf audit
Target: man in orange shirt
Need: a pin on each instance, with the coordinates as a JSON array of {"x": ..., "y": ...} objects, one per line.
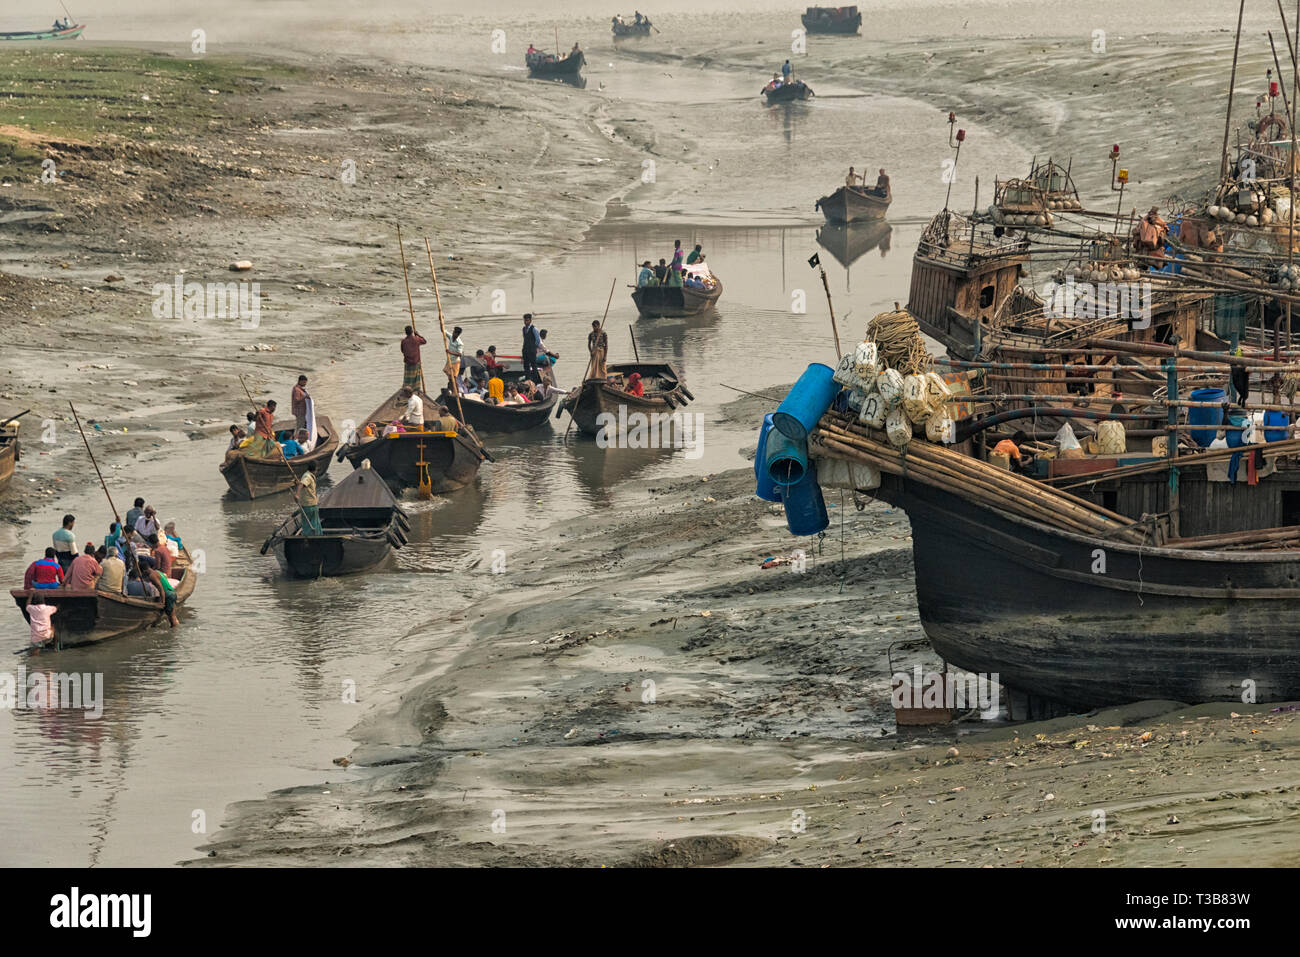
[
  {"x": 85, "y": 570},
  {"x": 1011, "y": 449}
]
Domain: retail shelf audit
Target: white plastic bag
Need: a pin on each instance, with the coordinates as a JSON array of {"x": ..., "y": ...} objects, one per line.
[
  {"x": 915, "y": 399},
  {"x": 941, "y": 428},
  {"x": 873, "y": 411},
  {"x": 889, "y": 383},
  {"x": 898, "y": 428},
  {"x": 846, "y": 373},
  {"x": 1065, "y": 438}
]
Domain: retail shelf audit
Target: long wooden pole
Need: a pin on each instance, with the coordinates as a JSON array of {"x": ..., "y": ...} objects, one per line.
[
  {"x": 1232, "y": 84},
  {"x": 829, "y": 305},
  {"x": 1286, "y": 100},
  {"x": 116, "y": 517},
  {"x": 452, "y": 386},
  {"x": 409, "y": 304}
]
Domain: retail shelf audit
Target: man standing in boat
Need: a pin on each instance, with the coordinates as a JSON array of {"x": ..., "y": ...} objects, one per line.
[
  {"x": 696, "y": 255},
  {"x": 882, "y": 185},
  {"x": 1149, "y": 234},
  {"x": 786, "y": 70},
  {"x": 646, "y": 276},
  {"x": 306, "y": 495},
  {"x": 411, "y": 372},
  {"x": 532, "y": 345},
  {"x": 298, "y": 404},
  {"x": 598, "y": 346}
]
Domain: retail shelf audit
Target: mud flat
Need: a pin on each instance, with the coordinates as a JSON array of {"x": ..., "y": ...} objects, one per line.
[{"x": 645, "y": 694}]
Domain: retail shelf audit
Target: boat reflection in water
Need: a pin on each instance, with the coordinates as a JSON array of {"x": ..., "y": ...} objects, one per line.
[{"x": 848, "y": 244}]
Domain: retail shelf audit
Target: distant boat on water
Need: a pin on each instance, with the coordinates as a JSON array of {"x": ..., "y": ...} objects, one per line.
[{"x": 67, "y": 33}]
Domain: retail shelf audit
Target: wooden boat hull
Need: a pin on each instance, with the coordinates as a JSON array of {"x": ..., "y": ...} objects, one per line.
[
  {"x": 673, "y": 302},
  {"x": 570, "y": 66},
  {"x": 1089, "y": 623},
  {"x": 631, "y": 30},
  {"x": 451, "y": 462},
  {"x": 8, "y": 456},
  {"x": 504, "y": 418},
  {"x": 325, "y": 556},
  {"x": 87, "y": 617},
  {"x": 845, "y": 26},
  {"x": 597, "y": 397},
  {"x": 788, "y": 93},
  {"x": 69, "y": 34},
  {"x": 853, "y": 205},
  {"x": 258, "y": 478}
]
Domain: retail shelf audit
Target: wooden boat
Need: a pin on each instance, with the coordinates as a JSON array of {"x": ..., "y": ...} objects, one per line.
[
  {"x": 361, "y": 524},
  {"x": 632, "y": 29},
  {"x": 851, "y": 204},
  {"x": 677, "y": 301},
  {"x": 88, "y": 616},
  {"x": 545, "y": 66},
  {"x": 663, "y": 387},
  {"x": 1161, "y": 622},
  {"x": 257, "y": 478},
  {"x": 502, "y": 418},
  {"x": 787, "y": 92},
  {"x": 9, "y": 451},
  {"x": 434, "y": 460},
  {"x": 842, "y": 20},
  {"x": 70, "y": 33}
]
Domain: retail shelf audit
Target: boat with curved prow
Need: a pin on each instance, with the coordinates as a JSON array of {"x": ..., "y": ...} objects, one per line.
[
  {"x": 254, "y": 478},
  {"x": 844, "y": 21},
  {"x": 852, "y": 204},
  {"x": 9, "y": 451},
  {"x": 87, "y": 616},
  {"x": 546, "y": 66},
  {"x": 361, "y": 523},
  {"x": 787, "y": 92},
  {"x": 66, "y": 33},
  {"x": 672, "y": 302},
  {"x": 483, "y": 417},
  {"x": 429, "y": 459},
  {"x": 664, "y": 391},
  {"x": 622, "y": 29}
]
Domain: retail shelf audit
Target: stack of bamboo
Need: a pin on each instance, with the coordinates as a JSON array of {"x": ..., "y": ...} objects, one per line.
[{"x": 837, "y": 436}]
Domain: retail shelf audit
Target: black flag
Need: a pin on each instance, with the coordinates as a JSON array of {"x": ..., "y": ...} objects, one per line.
[{"x": 815, "y": 261}]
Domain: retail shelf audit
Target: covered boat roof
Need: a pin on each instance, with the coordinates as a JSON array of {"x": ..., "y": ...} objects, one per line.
[{"x": 364, "y": 488}]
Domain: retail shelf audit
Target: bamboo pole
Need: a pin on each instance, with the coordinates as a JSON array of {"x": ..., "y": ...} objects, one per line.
[
  {"x": 409, "y": 304},
  {"x": 1014, "y": 487},
  {"x": 452, "y": 387},
  {"x": 1271, "y": 450},
  {"x": 1232, "y": 84}
]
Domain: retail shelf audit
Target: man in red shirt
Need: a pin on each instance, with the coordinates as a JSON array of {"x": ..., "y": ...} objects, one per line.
[
  {"x": 298, "y": 403},
  {"x": 44, "y": 572},
  {"x": 411, "y": 372},
  {"x": 161, "y": 556},
  {"x": 85, "y": 570},
  {"x": 266, "y": 420}
]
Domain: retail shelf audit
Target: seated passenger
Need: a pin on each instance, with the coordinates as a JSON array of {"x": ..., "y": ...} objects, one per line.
[
  {"x": 293, "y": 447},
  {"x": 44, "y": 572},
  {"x": 634, "y": 386}
]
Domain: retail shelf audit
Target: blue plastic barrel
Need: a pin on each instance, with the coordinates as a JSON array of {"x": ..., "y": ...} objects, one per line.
[
  {"x": 786, "y": 459},
  {"x": 1234, "y": 436},
  {"x": 764, "y": 487},
  {"x": 1280, "y": 422},
  {"x": 806, "y": 402},
  {"x": 1211, "y": 417},
  {"x": 805, "y": 510}
]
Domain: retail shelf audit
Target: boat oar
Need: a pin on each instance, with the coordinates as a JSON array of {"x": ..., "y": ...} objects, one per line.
[
  {"x": 13, "y": 418},
  {"x": 409, "y": 304},
  {"x": 113, "y": 508},
  {"x": 452, "y": 387},
  {"x": 636, "y": 352}
]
